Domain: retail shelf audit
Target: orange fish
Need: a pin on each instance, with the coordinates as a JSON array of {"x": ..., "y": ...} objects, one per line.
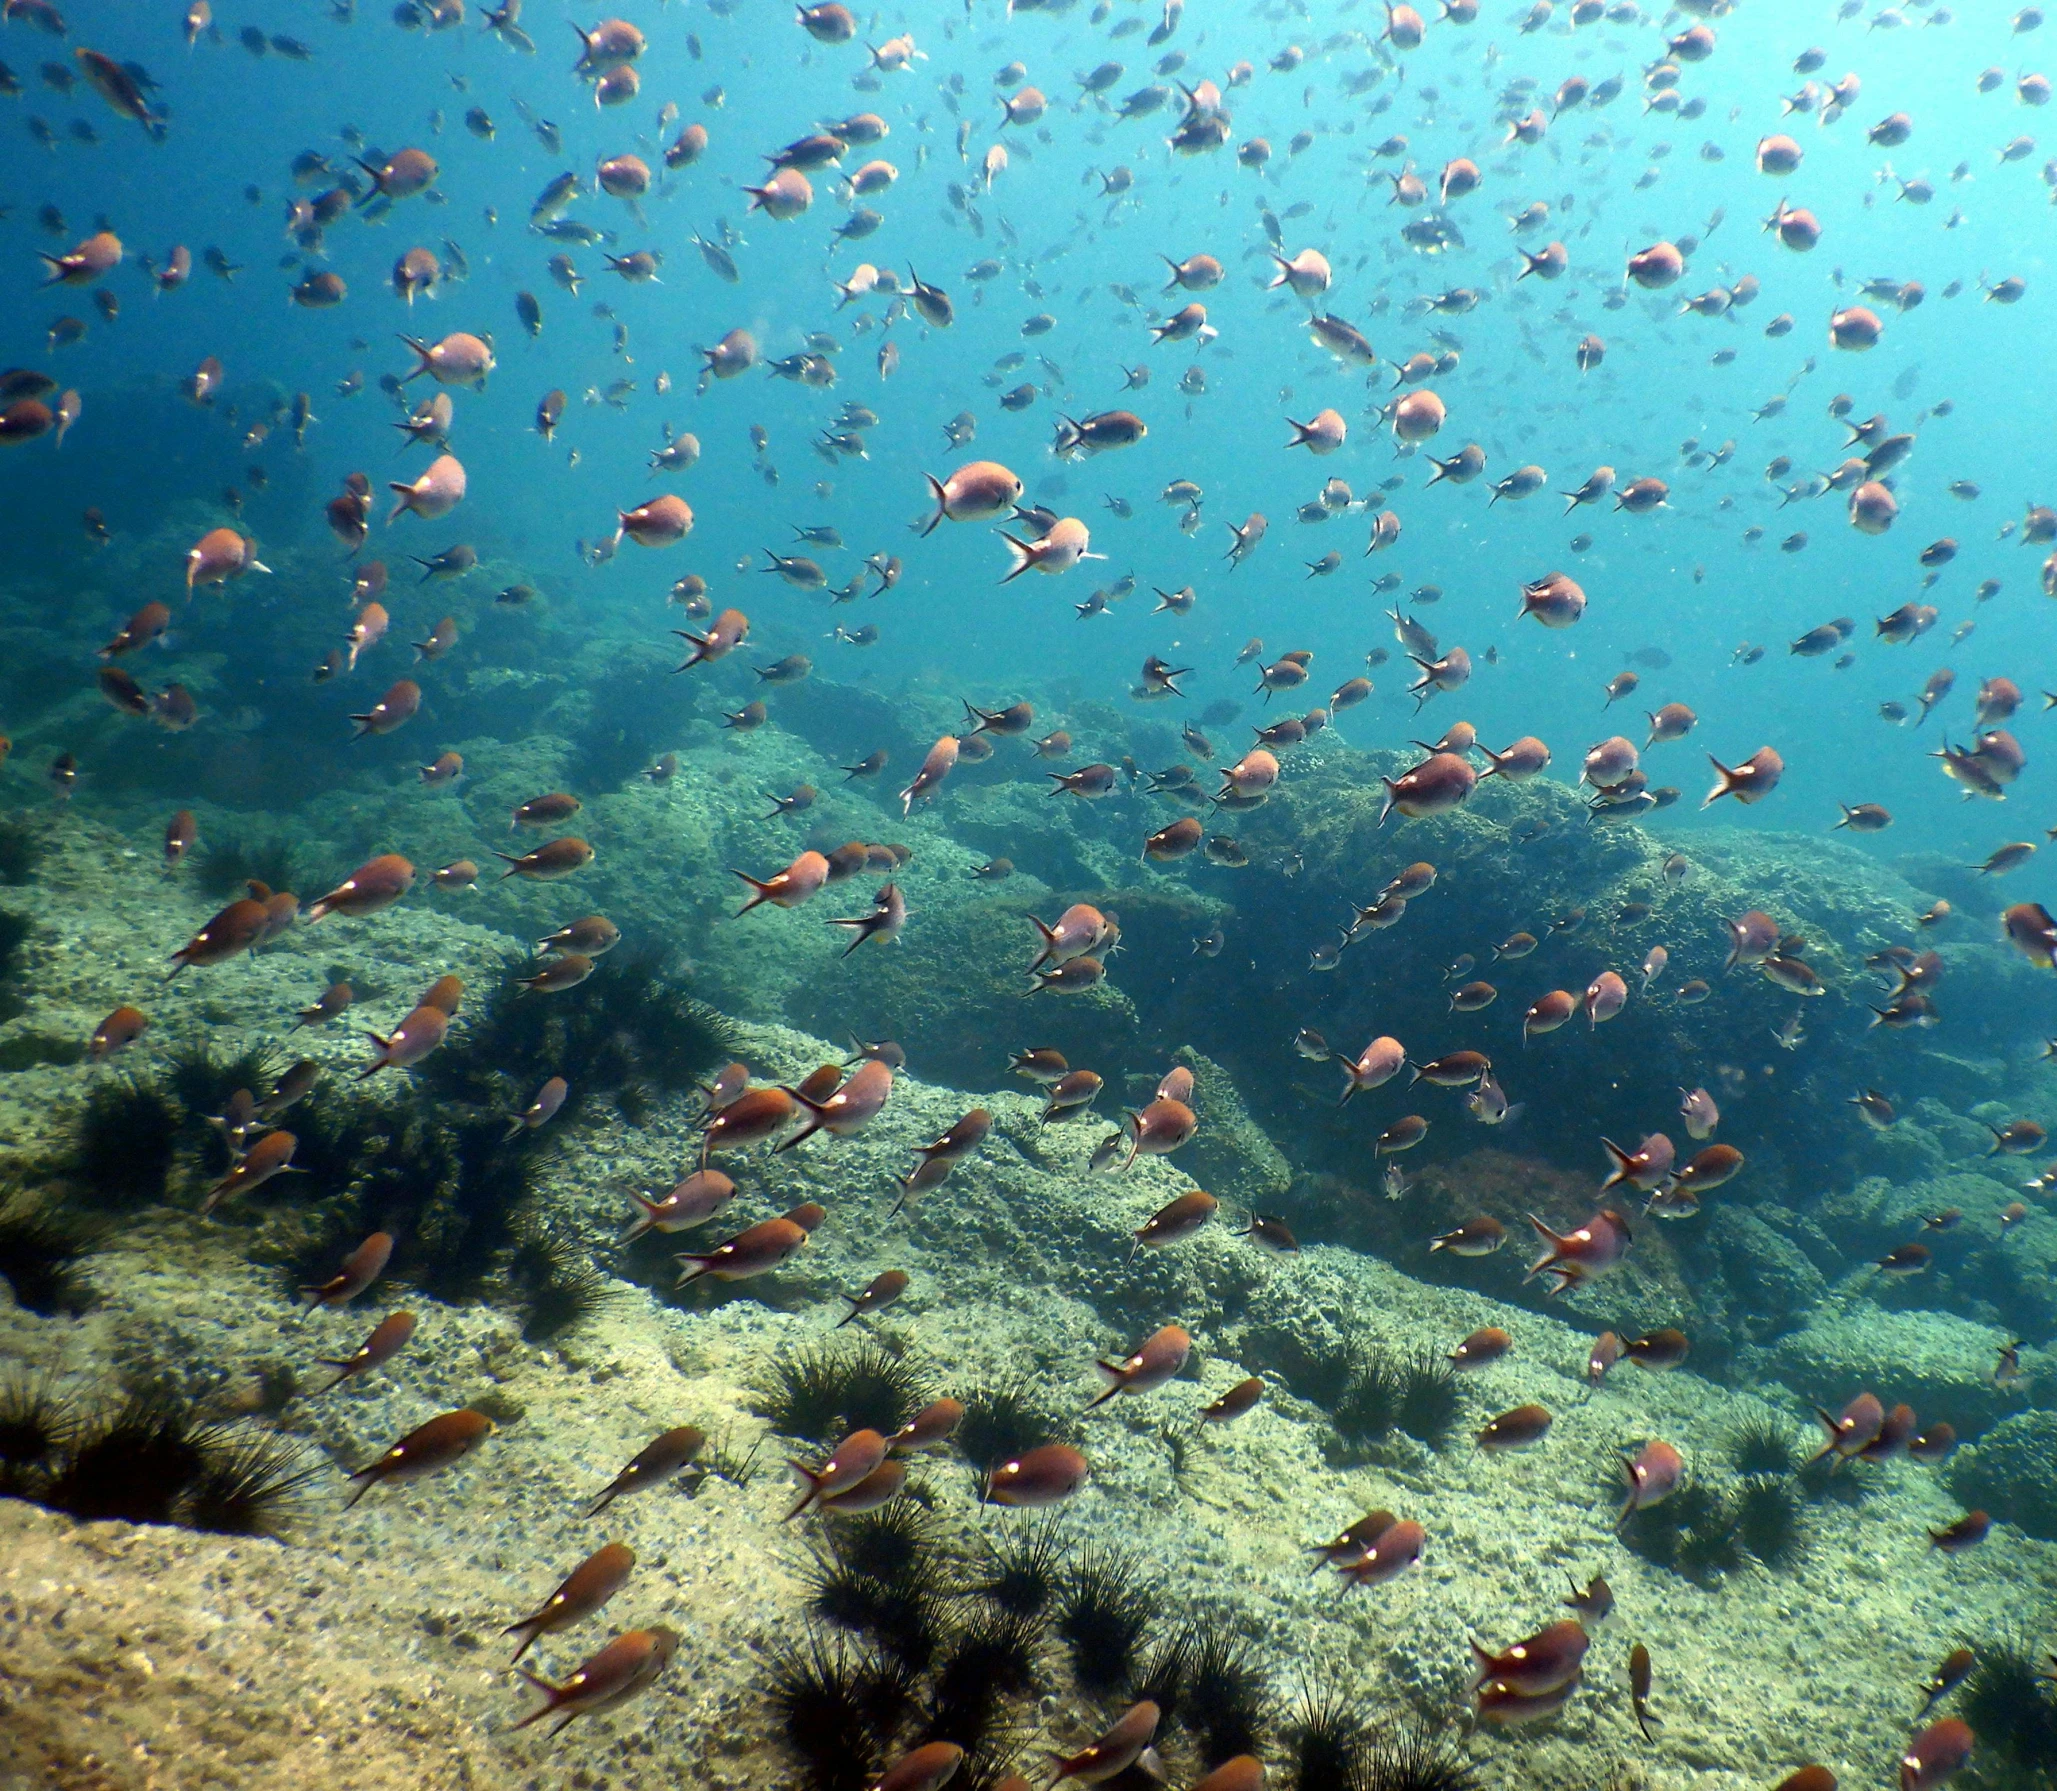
[
  {"x": 756, "y": 1251},
  {"x": 220, "y": 555},
  {"x": 377, "y": 883},
  {"x": 420, "y": 1033},
  {"x": 360, "y": 1269},
  {"x": 271, "y": 1155},
  {"x": 545, "y": 864},
  {"x": 237, "y": 928},
  {"x": 656, "y": 1462},
  {"x": 397, "y": 707},
  {"x": 1045, "y": 1475},
  {"x": 388, "y": 1338},
  {"x": 589, "y": 1585},
  {"x": 445, "y": 1439},
  {"x": 854, "y": 1460},
  {"x": 117, "y": 1032}
]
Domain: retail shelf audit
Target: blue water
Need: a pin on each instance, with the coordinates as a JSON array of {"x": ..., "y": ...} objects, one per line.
[
  {"x": 1680, "y": 597},
  {"x": 1682, "y": 579}
]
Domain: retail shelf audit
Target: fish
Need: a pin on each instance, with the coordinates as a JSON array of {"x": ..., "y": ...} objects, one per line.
[
  {"x": 1481, "y": 1349},
  {"x": 656, "y": 1462},
  {"x": 387, "y": 1339},
  {"x": 627, "y": 1666},
  {"x": 1520, "y": 1428},
  {"x": 582, "y": 1593},
  {"x": 429, "y": 1448}
]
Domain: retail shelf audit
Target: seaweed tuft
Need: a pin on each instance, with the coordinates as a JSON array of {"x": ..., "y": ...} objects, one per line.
[
  {"x": 1002, "y": 1419},
  {"x": 823, "y": 1391},
  {"x": 445, "y": 1180},
  {"x": 984, "y": 1664},
  {"x": 1022, "y": 1569},
  {"x": 1228, "y": 1693},
  {"x": 43, "y": 1253},
  {"x": 123, "y": 1143},
  {"x": 1368, "y": 1407},
  {"x": 1840, "y": 1479},
  {"x": 200, "y": 1076},
  {"x": 21, "y": 852},
  {"x": 1763, "y": 1445},
  {"x": 557, "y": 1286},
  {"x": 1428, "y": 1400},
  {"x": 230, "y": 862},
  {"x": 837, "y": 1707},
  {"x": 249, "y": 1484},
  {"x": 1768, "y": 1521},
  {"x": 882, "y": 1576},
  {"x": 1166, "y": 1676},
  {"x": 1105, "y": 1602},
  {"x": 1697, "y": 1532},
  {"x": 135, "y": 1462},
  {"x": 633, "y": 1031},
  {"x": 896, "y": 1546},
  {"x": 1415, "y": 1757},
  {"x": 37, "y": 1424},
  {"x": 725, "y": 1459},
  {"x": 14, "y": 934},
  {"x": 2011, "y": 1706},
  {"x": 1330, "y": 1741}
]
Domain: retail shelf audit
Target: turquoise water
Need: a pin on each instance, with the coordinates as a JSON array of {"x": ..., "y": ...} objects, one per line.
[{"x": 1049, "y": 233}]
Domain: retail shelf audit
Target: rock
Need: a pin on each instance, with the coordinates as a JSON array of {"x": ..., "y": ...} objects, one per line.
[
  {"x": 2011, "y": 1473},
  {"x": 1781, "y": 1283},
  {"x": 1229, "y": 1155},
  {"x": 1937, "y": 1363}
]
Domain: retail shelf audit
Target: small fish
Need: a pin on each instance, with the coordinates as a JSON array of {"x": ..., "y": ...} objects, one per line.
[
  {"x": 1639, "y": 1687},
  {"x": 427, "y": 1449},
  {"x": 1593, "y": 1603},
  {"x": 388, "y": 1338}
]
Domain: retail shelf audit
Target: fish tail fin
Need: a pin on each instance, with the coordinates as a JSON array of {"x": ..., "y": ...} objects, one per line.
[
  {"x": 807, "y": 1131},
  {"x": 643, "y": 1222},
  {"x": 762, "y": 895},
  {"x": 1049, "y": 934},
  {"x": 536, "y": 1680},
  {"x": 1623, "y": 1163},
  {"x": 1725, "y": 781},
  {"x": 936, "y": 492},
  {"x": 1023, "y": 555},
  {"x": 697, "y": 1265},
  {"x": 812, "y": 1483},
  {"x": 1392, "y": 789}
]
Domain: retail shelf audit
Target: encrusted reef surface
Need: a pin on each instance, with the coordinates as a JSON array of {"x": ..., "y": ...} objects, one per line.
[{"x": 1790, "y": 1615}]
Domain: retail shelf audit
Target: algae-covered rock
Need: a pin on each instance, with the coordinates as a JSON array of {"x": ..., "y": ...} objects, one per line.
[
  {"x": 1781, "y": 1284},
  {"x": 1998, "y": 1274},
  {"x": 2011, "y": 1473},
  {"x": 1229, "y": 1154},
  {"x": 1937, "y": 1363}
]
